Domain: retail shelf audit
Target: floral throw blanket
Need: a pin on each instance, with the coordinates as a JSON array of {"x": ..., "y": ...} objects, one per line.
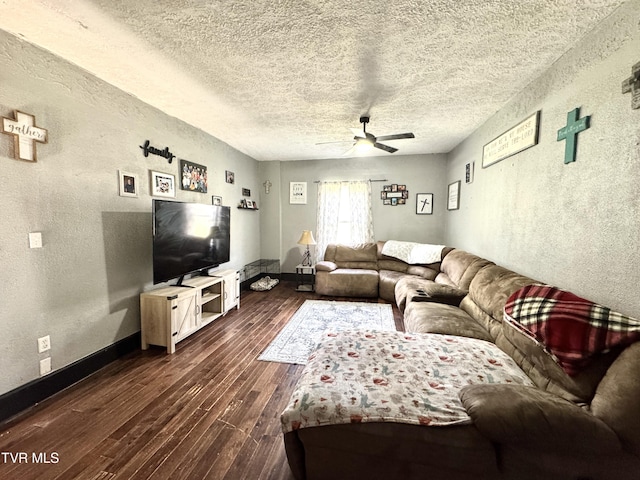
[{"x": 376, "y": 376}]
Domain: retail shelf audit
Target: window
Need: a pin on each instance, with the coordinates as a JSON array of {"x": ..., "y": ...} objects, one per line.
[{"x": 344, "y": 214}]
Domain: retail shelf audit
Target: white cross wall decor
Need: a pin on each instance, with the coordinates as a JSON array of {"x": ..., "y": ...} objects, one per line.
[{"x": 25, "y": 134}]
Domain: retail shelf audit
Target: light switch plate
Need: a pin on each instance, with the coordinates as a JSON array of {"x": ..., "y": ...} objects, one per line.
[{"x": 35, "y": 240}]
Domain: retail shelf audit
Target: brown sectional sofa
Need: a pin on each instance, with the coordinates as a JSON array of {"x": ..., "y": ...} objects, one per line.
[
  {"x": 585, "y": 426},
  {"x": 364, "y": 271}
]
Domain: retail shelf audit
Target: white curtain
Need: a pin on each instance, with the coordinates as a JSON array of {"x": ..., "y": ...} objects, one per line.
[{"x": 344, "y": 215}]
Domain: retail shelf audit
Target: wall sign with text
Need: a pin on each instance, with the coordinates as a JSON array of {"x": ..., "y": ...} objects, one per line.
[{"x": 515, "y": 140}]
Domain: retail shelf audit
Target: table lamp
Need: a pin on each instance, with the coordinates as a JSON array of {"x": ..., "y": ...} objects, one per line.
[{"x": 307, "y": 239}]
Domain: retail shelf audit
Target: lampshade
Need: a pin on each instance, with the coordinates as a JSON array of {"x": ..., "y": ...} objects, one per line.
[{"x": 307, "y": 238}]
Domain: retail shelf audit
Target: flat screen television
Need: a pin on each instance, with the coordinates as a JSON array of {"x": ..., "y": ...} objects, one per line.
[{"x": 188, "y": 238}]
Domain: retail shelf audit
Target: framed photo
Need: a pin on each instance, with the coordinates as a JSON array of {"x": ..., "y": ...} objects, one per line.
[
  {"x": 163, "y": 185},
  {"x": 229, "y": 177},
  {"x": 128, "y": 184},
  {"x": 216, "y": 200},
  {"x": 246, "y": 192},
  {"x": 298, "y": 193},
  {"x": 194, "y": 177},
  {"x": 453, "y": 197},
  {"x": 424, "y": 203},
  {"x": 468, "y": 172}
]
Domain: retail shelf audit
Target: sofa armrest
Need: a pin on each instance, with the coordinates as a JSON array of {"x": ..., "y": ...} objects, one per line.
[
  {"x": 439, "y": 293},
  {"x": 532, "y": 418},
  {"x": 325, "y": 266}
]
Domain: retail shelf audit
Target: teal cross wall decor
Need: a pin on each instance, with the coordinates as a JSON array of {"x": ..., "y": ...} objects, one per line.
[{"x": 570, "y": 133}]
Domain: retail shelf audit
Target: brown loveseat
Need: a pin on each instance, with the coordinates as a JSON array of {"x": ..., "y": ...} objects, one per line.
[{"x": 559, "y": 426}]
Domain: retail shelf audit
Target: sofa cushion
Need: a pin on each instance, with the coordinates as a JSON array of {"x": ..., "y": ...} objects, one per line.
[
  {"x": 528, "y": 416},
  {"x": 459, "y": 267},
  {"x": 573, "y": 329},
  {"x": 347, "y": 282},
  {"x": 387, "y": 283},
  {"x": 425, "y": 317},
  {"x": 361, "y": 253},
  {"x": 488, "y": 292},
  {"x": 541, "y": 367}
]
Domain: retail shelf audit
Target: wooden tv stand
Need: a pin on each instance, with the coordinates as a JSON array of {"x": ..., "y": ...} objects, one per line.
[{"x": 170, "y": 314}]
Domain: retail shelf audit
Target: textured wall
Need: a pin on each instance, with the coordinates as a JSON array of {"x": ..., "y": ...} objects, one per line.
[
  {"x": 578, "y": 225},
  {"x": 420, "y": 173},
  {"x": 82, "y": 287}
]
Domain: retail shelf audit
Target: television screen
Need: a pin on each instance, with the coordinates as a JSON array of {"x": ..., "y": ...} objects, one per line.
[{"x": 188, "y": 237}]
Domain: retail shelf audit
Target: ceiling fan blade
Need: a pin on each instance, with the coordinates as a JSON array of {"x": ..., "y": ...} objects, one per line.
[
  {"x": 350, "y": 152},
  {"x": 358, "y": 132},
  {"x": 386, "y": 148},
  {"x": 337, "y": 141},
  {"x": 397, "y": 136}
]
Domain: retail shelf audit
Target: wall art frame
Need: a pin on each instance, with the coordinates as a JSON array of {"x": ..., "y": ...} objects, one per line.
[
  {"x": 194, "y": 177},
  {"x": 298, "y": 193},
  {"x": 163, "y": 184},
  {"x": 424, "y": 203},
  {"x": 518, "y": 138},
  {"x": 453, "y": 196},
  {"x": 216, "y": 200},
  {"x": 128, "y": 184}
]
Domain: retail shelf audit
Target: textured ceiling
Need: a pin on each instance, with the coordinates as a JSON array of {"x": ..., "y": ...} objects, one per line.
[{"x": 273, "y": 78}]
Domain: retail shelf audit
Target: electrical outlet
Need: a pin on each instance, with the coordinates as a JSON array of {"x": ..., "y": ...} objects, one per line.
[
  {"x": 45, "y": 366},
  {"x": 44, "y": 344}
]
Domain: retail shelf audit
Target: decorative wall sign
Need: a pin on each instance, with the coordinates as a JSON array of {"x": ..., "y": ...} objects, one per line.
[
  {"x": 394, "y": 194},
  {"x": 163, "y": 185},
  {"x": 519, "y": 138},
  {"x": 165, "y": 153},
  {"x": 298, "y": 193},
  {"x": 632, "y": 85},
  {"x": 570, "y": 132},
  {"x": 453, "y": 196},
  {"x": 424, "y": 203},
  {"x": 229, "y": 177},
  {"x": 194, "y": 177},
  {"x": 128, "y": 184},
  {"x": 25, "y": 135}
]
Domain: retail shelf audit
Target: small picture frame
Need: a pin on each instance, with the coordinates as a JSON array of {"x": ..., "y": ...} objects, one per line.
[
  {"x": 163, "y": 184},
  {"x": 194, "y": 177},
  {"x": 298, "y": 193},
  {"x": 453, "y": 196},
  {"x": 216, "y": 200},
  {"x": 229, "y": 176},
  {"x": 128, "y": 183},
  {"x": 246, "y": 192},
  {"x": 468, "y": 172},
  {"x": 424, "y": 203}
]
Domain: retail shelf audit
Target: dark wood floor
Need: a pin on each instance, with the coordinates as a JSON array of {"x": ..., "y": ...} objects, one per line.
[{"x": 211, "y": 410}]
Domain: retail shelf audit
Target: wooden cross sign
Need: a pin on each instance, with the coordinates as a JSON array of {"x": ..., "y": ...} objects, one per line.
[
  {"x": 632, "y": 85},
  {"x": 570, "y": 132},
  {"x": 25, "y": 135}
]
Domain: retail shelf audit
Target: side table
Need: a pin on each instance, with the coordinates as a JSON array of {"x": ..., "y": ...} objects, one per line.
[{"x": 305, "y": 278}]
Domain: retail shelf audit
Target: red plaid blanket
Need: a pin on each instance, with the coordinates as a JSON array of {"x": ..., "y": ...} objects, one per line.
[{"x": 571, "y": 328}]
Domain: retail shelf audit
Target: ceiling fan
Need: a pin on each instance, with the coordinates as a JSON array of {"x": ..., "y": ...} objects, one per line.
[{"x": 364, "y": 139}]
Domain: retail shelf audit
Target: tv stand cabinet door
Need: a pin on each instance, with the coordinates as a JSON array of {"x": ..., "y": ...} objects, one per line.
[
  {"x": 231, "y": 289},
  {"x": 168, "y": 316}
]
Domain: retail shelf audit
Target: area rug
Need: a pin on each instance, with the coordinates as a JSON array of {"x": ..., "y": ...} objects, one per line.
[{"x": 301, "y": 334}]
